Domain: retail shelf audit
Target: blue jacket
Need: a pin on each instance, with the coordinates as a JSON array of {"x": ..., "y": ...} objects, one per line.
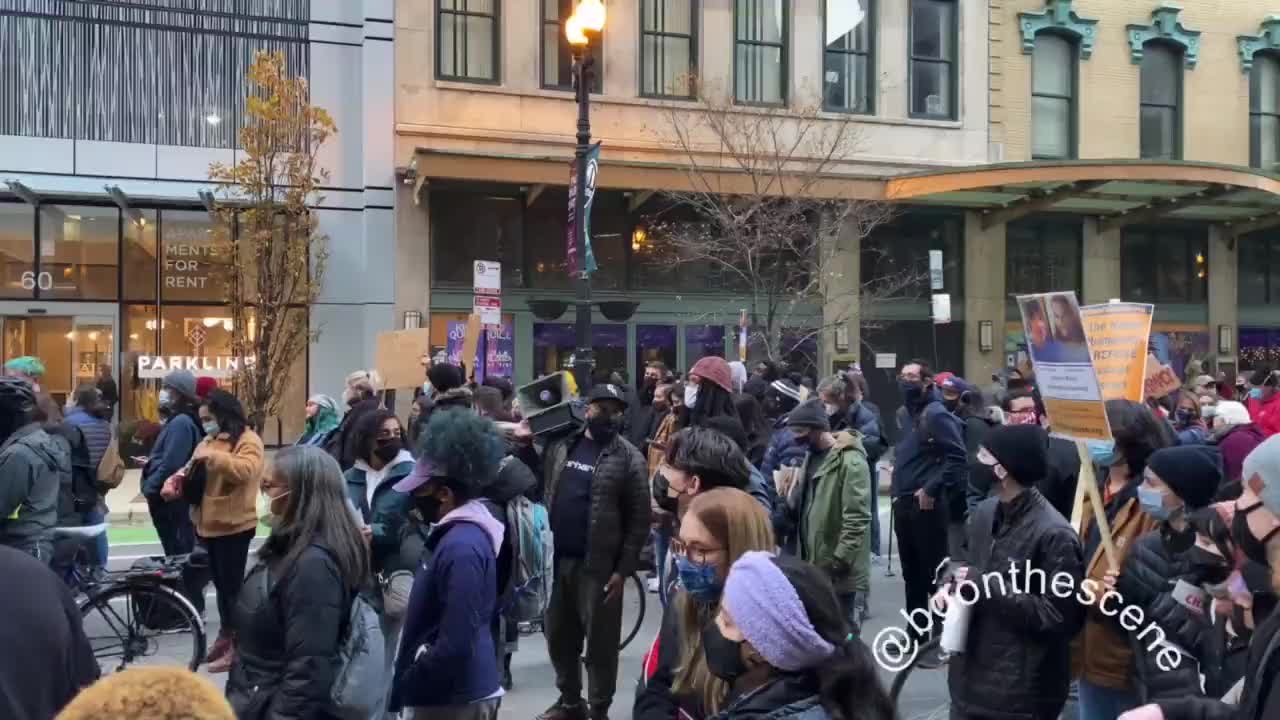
[
  {"x": 782, "y": 451},
  {"x": 930, "y": 453},
  {"x": 389, "y": 510},
  {"x": 762, "y": 490},
  {"x": 447, "y": 656},
  {"x": 1191, "y": 435},
  {"x": 96, "y": 431},
  {"x": 865, "y": 418},
  {"x": 174, "y": 447}
]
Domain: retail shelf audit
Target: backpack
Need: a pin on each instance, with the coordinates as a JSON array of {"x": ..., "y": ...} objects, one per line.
[
  {"x": 81, "y": 495},
  {"x": 111, "y": 467},
  {"x": 533, "y": 565}
]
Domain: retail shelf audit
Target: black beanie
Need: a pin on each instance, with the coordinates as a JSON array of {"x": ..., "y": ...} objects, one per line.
[
  {"x": 1192, "y": 472},
  {"x": 1023, "y": 450},
  {"x": 811, "y": 414}
]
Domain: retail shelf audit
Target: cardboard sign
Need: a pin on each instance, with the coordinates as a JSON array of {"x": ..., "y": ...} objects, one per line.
[
  {"x": 1059, "y": 350},
  {"x": 471, "y": 342},
  {"x": 1161, "y": 380},
  {"x": 398, "y": 357},
  {"x": 1118, "y": 335}
]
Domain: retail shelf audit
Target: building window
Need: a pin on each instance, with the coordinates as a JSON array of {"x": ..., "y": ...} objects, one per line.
[
  {"x": 934, "y": 35},
  {"x": 848, "y": 77},
  {"x": 895, "y": 257},
  {"x": 557, "y": 54},
  {"x": 164, "y": 73},
  {"x": 1043, "y": 255},
  {"x": 470, "y": 226},
  {"x": 1053, "y": 104},
  {"x": 1259, "y": 269},
  {"x": 760, "y": 51},
  {"x": 668, "y": 47},
  {"x": 466, "y": 47},
  {"x": 1264, "y": 112},
  {"x": 1161, "y": 105},
  {"x": 1164, "y": 266}
]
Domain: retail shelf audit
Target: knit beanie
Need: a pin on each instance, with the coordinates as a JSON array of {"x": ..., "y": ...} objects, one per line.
[
  {"x": 767, "y": 609},
  {"x": 1264, "y": 462},
  {"x": 1023, "y": 450},
  {"x": 1192, "y": 472},
  {"x": 203, "y": 385},
  {"x": 811, "y": 414},
  {"x": 714, "y": 369},
  {"x": 787, "y": 389},
  {"x": 182, "y": 381}
]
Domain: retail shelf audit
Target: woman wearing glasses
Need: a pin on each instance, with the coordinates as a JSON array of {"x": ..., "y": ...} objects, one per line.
[{"x": 720, "y": 525}]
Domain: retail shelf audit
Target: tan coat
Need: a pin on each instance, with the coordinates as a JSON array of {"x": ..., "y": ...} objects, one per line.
[
  {"x": 232, "y": 487},
  {"x": 1101, "y": 653}
]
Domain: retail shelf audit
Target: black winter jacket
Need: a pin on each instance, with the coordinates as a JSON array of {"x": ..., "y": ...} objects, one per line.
[
  {"x": 619, "y": 523},
  {"x": 1261, "y": 697},
  {"x": 1147, "y": 579},
  {"x": 342, "y": 442},
  {"x": 655, "y": 699},
  {"x": 786, "y": 696},
  {"x": 1017, "y": 659},
  {"x": 288, "y": 640}
]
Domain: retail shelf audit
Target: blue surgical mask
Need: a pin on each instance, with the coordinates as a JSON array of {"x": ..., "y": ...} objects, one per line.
[
  {"x": 211, "y": 428},
  {"x": 166, "y": 398},
  {"x": 1256, "y": 393},
  {"x": 1152, "y": 503},
  {"x": 698, "y": 579},
  {"x": 1103, "y": 452}
]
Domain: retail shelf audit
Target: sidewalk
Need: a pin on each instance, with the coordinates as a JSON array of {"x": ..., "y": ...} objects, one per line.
[{"x": 125, "y": 504}]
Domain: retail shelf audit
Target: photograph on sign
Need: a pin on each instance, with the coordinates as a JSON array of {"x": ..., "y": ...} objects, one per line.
[
  {"x": 1064, "y": 373},
  {"x": 1118, "y": 334}
]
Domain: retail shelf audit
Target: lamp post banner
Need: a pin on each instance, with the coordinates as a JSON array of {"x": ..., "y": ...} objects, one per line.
[{"x": 589, "y": 188}]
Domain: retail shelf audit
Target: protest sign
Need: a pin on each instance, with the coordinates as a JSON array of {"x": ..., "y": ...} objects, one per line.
[
  {"x": 398, "y": 357},
  {"x": 1160, "y": 380},
  {"x": 1118, "y": 334},
  {"x": 1060, "y": 356}
]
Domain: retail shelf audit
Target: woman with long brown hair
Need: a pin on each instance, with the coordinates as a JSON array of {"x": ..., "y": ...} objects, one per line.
[{"x": 720, "y": 525}]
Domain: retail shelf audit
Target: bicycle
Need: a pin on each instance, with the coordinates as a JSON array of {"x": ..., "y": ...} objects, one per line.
[
  {"x": 633, "y": 596},
  {"x": 130, "y": 615}
]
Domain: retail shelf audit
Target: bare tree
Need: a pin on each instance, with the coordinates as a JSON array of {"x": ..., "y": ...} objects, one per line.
[
  {"x": 761, "y": 209},
  {"x": 277, "y": 256}
]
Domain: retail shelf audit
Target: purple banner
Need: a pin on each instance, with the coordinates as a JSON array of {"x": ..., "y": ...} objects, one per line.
[{"x": 497, "y": 347}]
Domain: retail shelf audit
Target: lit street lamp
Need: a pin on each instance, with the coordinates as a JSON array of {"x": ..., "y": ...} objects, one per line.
[{"x": 586, "y": 23}]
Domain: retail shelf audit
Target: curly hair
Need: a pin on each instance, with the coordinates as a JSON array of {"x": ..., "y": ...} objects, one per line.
[
  {"x": 366, "y": 431},
  {"x": 161, "y": 693},
  {"x": 463, "y": 447}
]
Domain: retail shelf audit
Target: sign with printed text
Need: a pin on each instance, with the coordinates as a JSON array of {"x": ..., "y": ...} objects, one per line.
[
  {"x": 487, "y": 278},
  {"x": 398, "y": 357},
  {"x": 935, "y": 270},
  {"x": 489, "y": 309},
  {"x": 1118, "y": 335},
  {"x": 1059, "y": 350},
  {"x": 155, "y": 367},
  {"x": 941, "y": 308},
  {"x": 1161, "y": 379},
  {"x": 886, "y": 361},
  {"x": 592, "y": 161}
]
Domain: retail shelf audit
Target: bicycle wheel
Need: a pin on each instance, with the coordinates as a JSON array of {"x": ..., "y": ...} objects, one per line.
[
  {"x": 134, "y": 622},
  {"x": 926, "y": 699},
  {"x": 633, "y": 600}
]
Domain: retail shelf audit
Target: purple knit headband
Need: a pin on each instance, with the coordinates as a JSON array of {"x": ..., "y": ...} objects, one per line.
[{"x": 767, "y": 609}]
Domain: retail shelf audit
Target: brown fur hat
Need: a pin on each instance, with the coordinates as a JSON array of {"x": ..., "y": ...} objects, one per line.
[{"x": 153, "y": 693}]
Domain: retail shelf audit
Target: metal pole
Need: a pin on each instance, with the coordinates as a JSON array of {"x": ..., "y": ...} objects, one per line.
[
  {"x": 583, "y": 363},
  {"x": 888, "y": 559}
]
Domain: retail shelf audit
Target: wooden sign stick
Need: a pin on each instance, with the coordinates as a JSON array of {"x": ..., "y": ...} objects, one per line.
[{"x": 1090, "y": 484}]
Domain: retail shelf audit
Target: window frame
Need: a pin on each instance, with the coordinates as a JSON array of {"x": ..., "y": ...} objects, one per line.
[
  {"x": 496, "y": 37},
  {"x": 1073, "y": 106},
  {"x": 695, "y": 14},
  {"x": 1179, "y": 54},
  {"x": 1039, "y": 226},
  {"x": 785, "y": 46},
  {"x": 953, "y": 115},
  {"x": 597, "y": 54},
  {"x": 870, "y": 17},
  {"x": 1270, "y": 266},
  {"x": 1255, "y": 139},
  {"x": 1190, "y": 240}
]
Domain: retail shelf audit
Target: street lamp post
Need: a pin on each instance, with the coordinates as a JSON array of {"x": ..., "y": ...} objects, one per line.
[{"x": 586, "y": 22}]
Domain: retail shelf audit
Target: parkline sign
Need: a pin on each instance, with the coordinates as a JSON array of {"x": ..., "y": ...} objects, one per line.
[{"x": 151, "y": 367}]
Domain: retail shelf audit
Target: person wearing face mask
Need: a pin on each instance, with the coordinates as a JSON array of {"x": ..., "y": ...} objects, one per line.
[
  {"x": 1016, "y": 659},
  {"x": 170, "y": 453},
  {"x": 708, "y": 392},
  {"x": 322, "y": 421},
  {"x": 359, "y": 398},
  {"x": 226, "y": 519},
  {"x": 1224, "y": 649},
  {"x": 447, "y": 665},
  {"x": 783, "y": 397},
  {"x": 294, "y": 607},
  {"x": 1264, "y": 400},
  {"x": 597, "y": 491},
  {"x": 827, "y": 505},
  {"x": 929, "y": 462},
  {"x": 1158, "y": 569},
  {"x": 1021, "y": 406},
  {"x": 964, "y": 400},
  {"x": 720, "y": 525},
  {"x": 1102, "y": 656},
  {"x": 1255, "y": 527},
  {"x": 699, "y": 459},
  {"x": 783, "y": 647},
  {"x": 1236, "y": 435},
  {"x": 1187, "y": 423},
  {"x": 646, "y": 415}
]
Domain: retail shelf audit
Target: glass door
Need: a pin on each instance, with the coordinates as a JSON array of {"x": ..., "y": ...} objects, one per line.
[{"x": 76, "y": 342}]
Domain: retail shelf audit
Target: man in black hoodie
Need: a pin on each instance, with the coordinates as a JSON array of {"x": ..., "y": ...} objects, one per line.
[{"x": 31, "y": 467}]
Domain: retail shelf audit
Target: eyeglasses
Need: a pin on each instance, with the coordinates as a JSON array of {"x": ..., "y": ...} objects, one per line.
[{"x": 696, "y": 553}]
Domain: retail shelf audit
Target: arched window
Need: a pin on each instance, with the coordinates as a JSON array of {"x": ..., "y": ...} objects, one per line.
[
  {"x": 1053, "y": 97},
  {"x": 1161, "y": 102},
  {"x": 1264, "y": 112}
]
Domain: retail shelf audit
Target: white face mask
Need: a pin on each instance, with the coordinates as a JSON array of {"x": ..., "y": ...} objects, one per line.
[
  {"x": 690, "y": 395},
  {"x": 166, "y": 398},
  {"x": 831, "y": 409}
]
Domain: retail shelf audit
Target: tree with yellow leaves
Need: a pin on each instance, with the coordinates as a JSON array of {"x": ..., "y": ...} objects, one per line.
[{"x": 276, "y": 253}]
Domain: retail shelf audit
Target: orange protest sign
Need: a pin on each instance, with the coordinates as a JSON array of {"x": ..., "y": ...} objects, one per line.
[
  {"x": 1118, "y": 335},
  {"x": 1161, "y": 380}
]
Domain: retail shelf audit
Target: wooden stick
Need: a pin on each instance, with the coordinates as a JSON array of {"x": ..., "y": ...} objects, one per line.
[{"x": 1089, "y": 482}]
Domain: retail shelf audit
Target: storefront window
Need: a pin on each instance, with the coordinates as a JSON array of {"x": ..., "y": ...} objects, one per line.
[
  {"x": 655, "y": 343},
  {"x": 1043, "y": 256},
  {"x": 140, "y": 256},
  {"x": 1164, "y": 266},
  {"x": 554, "y": 343},
  {"x": 1259, "y": 276},
  {"x": 78, "y": 251},
  {"x": 470, "y": 226},
  {"x": 495, "y": 351},
  {"x": 895, "y": 258},
  {"x": 196, "y": 263},
  {"x": 140, "y": 339},
  {"x": 702, "y": 341},
  {"x": 610, "y": 234},
  {"x": 546, "y": 241},
  {"x": 17, "y": 225}
]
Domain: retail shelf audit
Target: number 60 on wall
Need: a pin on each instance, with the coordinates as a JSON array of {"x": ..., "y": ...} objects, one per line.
[{"x": 30, "y": 281}]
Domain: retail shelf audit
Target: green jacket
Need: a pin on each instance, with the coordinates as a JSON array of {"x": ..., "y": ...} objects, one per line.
[{"x": 835, "y": 515}]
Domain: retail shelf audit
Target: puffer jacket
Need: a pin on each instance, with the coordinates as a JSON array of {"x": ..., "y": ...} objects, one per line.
[
  {"x": 832, "y": 512},
  {"x": 1017, "y": 654},
  {"x": 388, "y": 511},
  {"x": 233, "y": 481},
  {"x": 1260, "y": 699},
  {"x": 289, "y": 632},
  {"x": 619, "y": 522},
  {"x": 785, "y": 696},
  {"x": 1147, "y": 580},
  {"x": 32, "y": 463}
]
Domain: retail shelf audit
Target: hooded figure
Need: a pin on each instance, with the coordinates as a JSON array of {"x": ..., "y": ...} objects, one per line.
[{"x": 321, "y": 422}]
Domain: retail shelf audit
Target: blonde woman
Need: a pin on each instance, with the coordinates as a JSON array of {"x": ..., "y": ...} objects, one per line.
[
  {"x": 362, "y": 396},
  {"x": 719, "y": 527}
]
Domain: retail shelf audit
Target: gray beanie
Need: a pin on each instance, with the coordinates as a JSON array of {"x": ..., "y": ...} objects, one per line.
[{"x": 182, "y": 381}]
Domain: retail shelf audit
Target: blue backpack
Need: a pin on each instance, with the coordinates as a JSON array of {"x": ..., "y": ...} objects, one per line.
[{"x": 533, "y": 564}]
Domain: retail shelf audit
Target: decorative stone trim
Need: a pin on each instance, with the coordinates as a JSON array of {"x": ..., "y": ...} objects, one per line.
[
  {"x": 1165, "y": 26},
  {"x": 1057, "y": 15},
  {"x": 1268, "y": 38}
]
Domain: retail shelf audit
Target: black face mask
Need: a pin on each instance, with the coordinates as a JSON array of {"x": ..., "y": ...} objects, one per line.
[
  {"x": 1256, "y": 577},
  {"x": 1252, "y": 547},
  {"x": 1207, "y": 568},
  {"x": 646, "y": 393},
  {"x": 724, "y": 656},
  {"x": 604, "y": 428},
  {"x": 429, "y": 506},
  {"x": 801, "y": 441},
  {"x": 982, "y": 478},
  {"x": 1177, "y": 541},
  {"x": 951, "y": 405},
  {"x": 387, "y": 450}
]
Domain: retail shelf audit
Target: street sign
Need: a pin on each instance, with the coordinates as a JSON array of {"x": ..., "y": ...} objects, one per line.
[
  {"x": 941, "y": 308},
  {"x": 935, "y": 269},
  {"x": 886, "y": 361},
  {"x": 488, "y": 277},
  {"x": 489, "y": 308}
]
